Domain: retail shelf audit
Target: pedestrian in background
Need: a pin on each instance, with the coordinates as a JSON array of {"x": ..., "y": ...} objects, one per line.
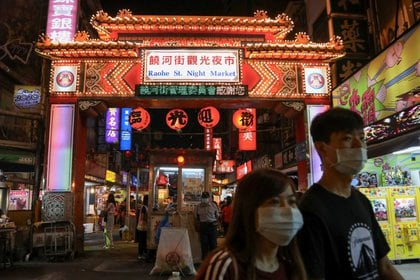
[
  {"x": 227, "y": 214},
  {"x": 341, "y": 238},
  {"x": 260, "y": 243},
  {"x": 207, "y": 215},
  {"x": 110, "y": 212},
  {"x": 141, "y": 228}
]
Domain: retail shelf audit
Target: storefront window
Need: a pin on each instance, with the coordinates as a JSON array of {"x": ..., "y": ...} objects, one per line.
[{"x": 192, "y": 187}]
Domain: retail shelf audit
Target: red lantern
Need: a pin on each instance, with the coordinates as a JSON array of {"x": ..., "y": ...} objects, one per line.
[
  {"x": 208, "y": 117},
  {"x": 244, "y": 119},
  {"x": 139, "y": 118},
  {"x": 176, "y": 119}
]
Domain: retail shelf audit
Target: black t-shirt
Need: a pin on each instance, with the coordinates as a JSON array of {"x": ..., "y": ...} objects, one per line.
[{"x": 340, "y": 238}]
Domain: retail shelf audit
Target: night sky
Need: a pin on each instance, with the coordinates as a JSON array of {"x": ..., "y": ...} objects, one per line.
[{"x": 196, "y": 7}]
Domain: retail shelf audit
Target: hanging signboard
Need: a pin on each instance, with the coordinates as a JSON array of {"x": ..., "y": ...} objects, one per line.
[
  {"x": 112, "y": 125},
  {"x": 191, "y": 91},
  {"x": 125, "y": 135},
  {"x": 191, "y": 65}
]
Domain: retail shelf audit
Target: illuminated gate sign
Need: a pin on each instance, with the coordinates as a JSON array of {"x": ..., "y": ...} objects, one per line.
[
  {"x": 191, "y": 65},
  {"x": 222, "y": 91}
]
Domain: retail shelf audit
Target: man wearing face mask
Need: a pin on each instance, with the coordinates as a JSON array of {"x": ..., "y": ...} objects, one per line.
[
  {"x": 207, "y": 214},
  {"x": 341, "y": 238}
]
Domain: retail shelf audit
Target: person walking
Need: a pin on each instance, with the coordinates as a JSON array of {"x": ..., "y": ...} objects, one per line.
[
  {"x": 260, "y": 243},
  {"x": 227, "y": 214},
  {"x": 341, "y": 238},
  {"x": 141, "y": 228},
  {"x": 207, "y": 215},
  {"x": 110, "y": 212}
]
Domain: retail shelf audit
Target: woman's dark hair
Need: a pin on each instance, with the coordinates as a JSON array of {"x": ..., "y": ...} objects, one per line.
[
  {"x": 252, "y": 191},
  {"x": 111, "y": 198},
  {"x": 334, "y": 120}
]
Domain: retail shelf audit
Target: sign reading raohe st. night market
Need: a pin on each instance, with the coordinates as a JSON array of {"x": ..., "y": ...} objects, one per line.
[
  {"x": 191, "y": 65},
  {"x": 222, "y": 91}
]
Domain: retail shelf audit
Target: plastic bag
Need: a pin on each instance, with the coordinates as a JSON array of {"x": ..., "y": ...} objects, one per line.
[{"x": 174, "y": 252}]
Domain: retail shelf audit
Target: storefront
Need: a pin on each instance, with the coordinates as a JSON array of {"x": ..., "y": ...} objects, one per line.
[
  {"x": 386, "y": 93},
  {"x": 145, "y": 62}
]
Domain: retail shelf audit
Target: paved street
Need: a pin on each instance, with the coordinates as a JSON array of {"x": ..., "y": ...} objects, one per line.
[{"x": 117, "y": 263}]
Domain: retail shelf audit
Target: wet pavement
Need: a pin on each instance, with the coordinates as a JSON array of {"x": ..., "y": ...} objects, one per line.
[{"x": 117, "y": 263}]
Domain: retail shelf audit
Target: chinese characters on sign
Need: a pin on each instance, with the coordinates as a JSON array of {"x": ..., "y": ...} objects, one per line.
[
  {"x": 125, "y": 138},
  {"x": 112, "y": 125},
  {"x": 190, "y": 90},
  {"x": 61, "y": 22},
  {"x": 190, "y": 65}
]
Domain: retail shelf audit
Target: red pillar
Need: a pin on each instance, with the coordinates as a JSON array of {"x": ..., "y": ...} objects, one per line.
[{"x": 79, "y": 170}]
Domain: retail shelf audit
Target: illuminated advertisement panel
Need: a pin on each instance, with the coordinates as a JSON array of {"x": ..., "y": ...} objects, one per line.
[
  {"x": 191, "y": 65},
  {"x": 112, "y": 125},
  {"x": 387, "y": 84},
  {"x": 125, "y": 137},
  {"x": 62, "y": 20},
  {"x": 60, "y": 147}
]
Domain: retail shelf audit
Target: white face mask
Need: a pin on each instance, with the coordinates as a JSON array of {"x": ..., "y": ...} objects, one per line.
[
  {"x": 279, "y": 224},
  {"x": 350, "y": 161},
  {"x": 205, "y": 200}
]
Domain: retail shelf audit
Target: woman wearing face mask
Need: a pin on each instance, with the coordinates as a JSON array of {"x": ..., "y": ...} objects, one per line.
[
  {"x": 260, "y": 240},
  {"x": 341, "y": 238}
]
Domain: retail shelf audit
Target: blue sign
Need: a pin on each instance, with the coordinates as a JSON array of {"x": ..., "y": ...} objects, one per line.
[{"x": 125, "y": 135}]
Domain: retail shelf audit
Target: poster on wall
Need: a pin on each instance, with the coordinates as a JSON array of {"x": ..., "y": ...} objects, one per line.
[
  {"x": 19, "y": 200},
  {"x": 64, "y": 78}
]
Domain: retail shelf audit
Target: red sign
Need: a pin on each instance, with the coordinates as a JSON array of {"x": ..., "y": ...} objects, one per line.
[
  {"x": 208, "y": 117},
  {"x": 244, "y": 120},
  {"x": 176, "y": 119},
  {"x": 243, "y": 169},
  {"x": 139, "y": 118}
]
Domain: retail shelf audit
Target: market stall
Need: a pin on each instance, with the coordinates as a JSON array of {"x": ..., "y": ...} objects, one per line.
[{"x": 177, "y": 179}]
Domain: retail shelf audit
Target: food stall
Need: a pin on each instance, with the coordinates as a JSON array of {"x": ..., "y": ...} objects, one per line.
[{"x": 177, "y": 177}]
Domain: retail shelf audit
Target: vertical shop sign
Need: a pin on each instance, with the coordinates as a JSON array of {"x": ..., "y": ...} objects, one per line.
[
  {"x": 62, "y": 20},
  {"x": 348, "y": 20},
  {"x": 125, "y": 135},
  {"x": 112, "y": 125},
  {"x": 217, "y": 146}
]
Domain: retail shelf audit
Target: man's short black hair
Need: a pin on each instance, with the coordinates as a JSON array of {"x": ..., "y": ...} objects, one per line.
[
  {"x": 334, "y": 120},
  {"x": 205, "y": 195}
]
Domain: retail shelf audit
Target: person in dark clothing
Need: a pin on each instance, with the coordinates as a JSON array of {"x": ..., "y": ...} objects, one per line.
[
  {"x": 142, "y": 216},
  {"x": 207, "y": 215},
  {"x": 341, "y": 238}
]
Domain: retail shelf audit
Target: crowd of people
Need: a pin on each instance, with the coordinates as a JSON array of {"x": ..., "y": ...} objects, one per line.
[
  {"x": 329, "y": 233},
  {"x": 273, "y": 232}
]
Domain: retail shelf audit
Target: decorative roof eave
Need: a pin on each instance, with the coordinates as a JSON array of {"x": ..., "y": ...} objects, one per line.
[
  {"x": 109, "y": 27},
  {"x": 293, "y": 55},
  {"x": 83, "y": 47},
  {"x": 301, "y": 48}
]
